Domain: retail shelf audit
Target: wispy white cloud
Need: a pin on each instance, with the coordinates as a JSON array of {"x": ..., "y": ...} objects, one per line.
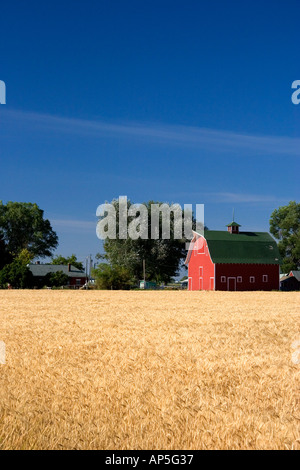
[
  {"x": 202, "y": 138},
  {"x": 84, "y": 226},
  {"x": 74, "y": 225},
  {"x": 241, "y": 198},
  {"x": 205, "y": 197}
]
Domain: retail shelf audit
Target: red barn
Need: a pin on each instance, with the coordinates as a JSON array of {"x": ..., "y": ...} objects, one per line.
[{"x": 233, "y": 261}]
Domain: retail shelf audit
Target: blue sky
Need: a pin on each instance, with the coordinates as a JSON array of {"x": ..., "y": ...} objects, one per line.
[{"x": 176, "y": 101}]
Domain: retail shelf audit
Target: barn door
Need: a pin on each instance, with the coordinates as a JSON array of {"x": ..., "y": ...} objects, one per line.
[
  {"x": 231, "y": 283},
  {"x": 200, "y": 283}
]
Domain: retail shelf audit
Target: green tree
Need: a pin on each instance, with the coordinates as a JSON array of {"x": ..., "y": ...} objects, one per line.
[
  {"x": 163, "y": 258},
  {"x": 5, "y": 257},
  {"x": 25, "y": 256},
  {"x": 57, "y": 279},
  {"x": 61, "y": 260},
  {"x": 112, "y": 277},
  {"x": 285, "y": 227},
  {"x": 17, "y": 274},
  {"x": 22, "y": 226}
]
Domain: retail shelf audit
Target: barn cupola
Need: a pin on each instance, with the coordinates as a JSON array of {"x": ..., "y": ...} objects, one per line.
[{"x": 233, "y": 227}]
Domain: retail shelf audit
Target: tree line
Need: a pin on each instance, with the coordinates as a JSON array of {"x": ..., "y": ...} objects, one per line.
[{"x": 25, "y": 235}]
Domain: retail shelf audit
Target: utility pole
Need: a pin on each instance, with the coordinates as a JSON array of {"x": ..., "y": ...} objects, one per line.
[
  {"x": 86, "y": 273},
  {"x": 144, "y": 269},
  {"x": 91, "y": 264},
  {"x": 88, "y": 269}
]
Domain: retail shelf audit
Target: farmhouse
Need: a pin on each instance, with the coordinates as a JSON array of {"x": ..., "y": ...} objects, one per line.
[
  {"x": 290, "y": 282},
  {"x": 40, "y": 272},
  {"x": 233, "y": 261}
]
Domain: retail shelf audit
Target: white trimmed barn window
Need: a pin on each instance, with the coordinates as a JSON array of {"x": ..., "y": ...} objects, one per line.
[
  {"x": 239, "y": 279},
  {"x": 223, "y": 279},
  {"x": 265, "y": 278},
  {"x": 252, "y": 279}
]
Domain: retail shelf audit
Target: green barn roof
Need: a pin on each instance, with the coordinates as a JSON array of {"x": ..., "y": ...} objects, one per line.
[
  {"x": 242, "y": 248},
  {"x": 233, "y": 224}
]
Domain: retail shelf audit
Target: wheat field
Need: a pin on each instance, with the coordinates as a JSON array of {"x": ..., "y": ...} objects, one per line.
[{"x": 149, "y": 370}]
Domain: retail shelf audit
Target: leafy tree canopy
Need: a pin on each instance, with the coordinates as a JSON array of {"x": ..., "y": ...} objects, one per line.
[
  {"x": 17, "y": 274},
  {"x": 285, "y": 227},
  {"x": 5, "y": 257},
  {"x": 22, "y": 226},
  {"x": 69, "y": 260},
  {"x": 163, "y": 257},
  {"x": 112, "y": 277},
  {"x": 57, "y": 279}
]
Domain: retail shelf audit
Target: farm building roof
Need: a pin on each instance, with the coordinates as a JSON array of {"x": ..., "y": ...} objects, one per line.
[
  {"x": 41, "y": 270},
  {"x": 241, "y": 248},
  {"x": 295, "y": 274}
]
